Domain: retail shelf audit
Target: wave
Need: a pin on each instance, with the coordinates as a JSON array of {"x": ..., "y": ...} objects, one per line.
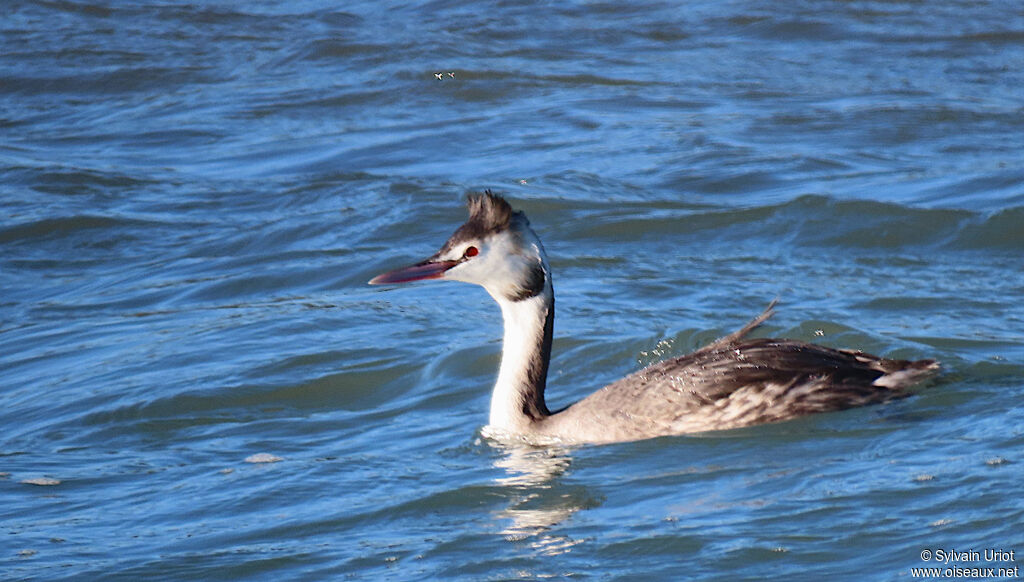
[{"x": 815, "y": 221}]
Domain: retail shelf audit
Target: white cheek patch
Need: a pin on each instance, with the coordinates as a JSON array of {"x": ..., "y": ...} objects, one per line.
[{"x": 509, "y": 266}]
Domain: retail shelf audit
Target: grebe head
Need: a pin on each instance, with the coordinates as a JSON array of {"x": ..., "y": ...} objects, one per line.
[{"x": 495, "y": 249}]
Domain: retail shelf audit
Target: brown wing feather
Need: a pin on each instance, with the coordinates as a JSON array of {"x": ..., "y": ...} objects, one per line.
[{"x": 735, "y": 382}]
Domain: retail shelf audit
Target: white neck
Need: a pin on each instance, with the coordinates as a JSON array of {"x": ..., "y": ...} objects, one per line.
[{"x": 518, "y": 397}]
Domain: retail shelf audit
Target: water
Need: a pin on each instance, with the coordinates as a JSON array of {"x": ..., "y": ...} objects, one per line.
[{"x": 194, "y": 195}]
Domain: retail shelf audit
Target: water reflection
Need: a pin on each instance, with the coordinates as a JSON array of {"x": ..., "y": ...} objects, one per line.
[
  {"x": 527, "y": 465},
  {"x": 538, "y": 501}
]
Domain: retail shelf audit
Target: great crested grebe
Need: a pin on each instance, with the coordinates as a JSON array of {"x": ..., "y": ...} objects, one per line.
[{"x": 730, "y": 383}]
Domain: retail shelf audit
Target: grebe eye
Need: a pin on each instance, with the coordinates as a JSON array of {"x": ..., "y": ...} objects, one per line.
[{"x": 471, "y": 252}]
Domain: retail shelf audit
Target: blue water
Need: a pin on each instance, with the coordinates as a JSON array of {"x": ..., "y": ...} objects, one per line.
[{"x": 194, "y": 195}]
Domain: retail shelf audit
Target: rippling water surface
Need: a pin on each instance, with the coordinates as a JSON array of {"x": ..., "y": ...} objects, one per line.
[{"x": 194, "y": 195}]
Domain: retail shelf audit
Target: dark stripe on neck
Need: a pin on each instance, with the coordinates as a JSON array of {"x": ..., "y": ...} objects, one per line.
[
  {"x": 532, "y": 286},
  {"x": 534, "y": 405}
]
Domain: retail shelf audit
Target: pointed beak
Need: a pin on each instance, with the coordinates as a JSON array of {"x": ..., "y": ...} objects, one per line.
[{"x": 428, "y": 269}]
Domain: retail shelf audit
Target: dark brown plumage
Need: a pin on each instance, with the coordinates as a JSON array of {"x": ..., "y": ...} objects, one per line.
[{"x": 737, "y": 382}]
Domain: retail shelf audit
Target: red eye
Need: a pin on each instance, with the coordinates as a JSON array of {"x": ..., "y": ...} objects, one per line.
[{"x": 471, "y": 252}]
